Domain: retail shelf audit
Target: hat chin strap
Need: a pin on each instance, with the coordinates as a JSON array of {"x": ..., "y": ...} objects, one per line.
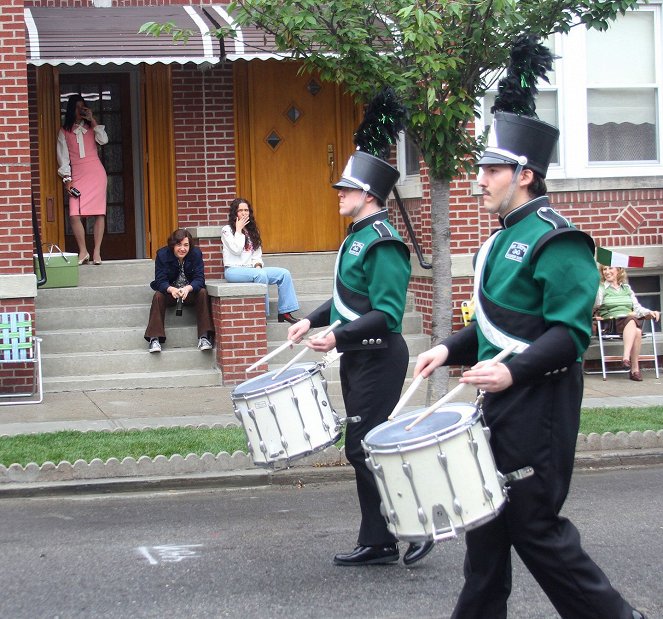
[
  {"x": 362, "y": 201},
  {"x": 504, "y": 206}
]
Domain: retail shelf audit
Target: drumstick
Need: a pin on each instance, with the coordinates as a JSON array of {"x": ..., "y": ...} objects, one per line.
[
  {"x": 300, "y": 354},
  {"x": 406, "y": 396},
  {"x": 268, "y": 356},
  {"x": 458, "y": 388}
]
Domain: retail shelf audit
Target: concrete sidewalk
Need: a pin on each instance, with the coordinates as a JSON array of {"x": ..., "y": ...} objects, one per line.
[{"x": 212, "y": 406}]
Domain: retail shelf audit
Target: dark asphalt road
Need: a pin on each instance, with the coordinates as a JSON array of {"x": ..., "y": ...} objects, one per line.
[{"x": 266, "y": 552}]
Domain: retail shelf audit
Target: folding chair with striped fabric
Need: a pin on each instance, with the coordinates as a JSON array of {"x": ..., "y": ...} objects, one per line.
[{"x": 19, "y": 347}]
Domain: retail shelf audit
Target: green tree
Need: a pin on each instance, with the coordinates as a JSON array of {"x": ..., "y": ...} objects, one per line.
[{"x": 438, "y": 56}]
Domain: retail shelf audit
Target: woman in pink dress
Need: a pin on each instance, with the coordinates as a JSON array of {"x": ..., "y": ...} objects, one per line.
[{"x": 83, "y": 174}]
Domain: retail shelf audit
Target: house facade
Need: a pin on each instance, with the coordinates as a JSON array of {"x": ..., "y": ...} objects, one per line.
[{"x": 192, "y": 126}]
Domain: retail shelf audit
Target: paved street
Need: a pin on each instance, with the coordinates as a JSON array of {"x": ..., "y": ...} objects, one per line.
[{"x": 266, "y": 552}]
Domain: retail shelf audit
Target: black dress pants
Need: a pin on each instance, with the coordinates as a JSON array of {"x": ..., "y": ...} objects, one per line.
[
  {"x": 536, "y": 424},
  {"x": 371, "y": 381}
]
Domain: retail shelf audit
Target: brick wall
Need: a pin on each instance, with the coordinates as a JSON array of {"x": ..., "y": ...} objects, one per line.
[
  {"x": 241, "y": 336},
  {"x": 15, "y": 206},
  {"x": 204, "y": 153}
]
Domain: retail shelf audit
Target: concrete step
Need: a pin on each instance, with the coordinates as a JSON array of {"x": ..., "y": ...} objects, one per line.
[
  {"x": 94, "y": 318},
  {"x": 304, "y": 265},
  {"x": 93, "y": 334},
  {"x": 95, "y": 296},
  {"x": 116, "y": 273},
  {"x": 76, "y": 341},
  {"x": 137, "y": 380},
  {"x": 126, "y": 362}
]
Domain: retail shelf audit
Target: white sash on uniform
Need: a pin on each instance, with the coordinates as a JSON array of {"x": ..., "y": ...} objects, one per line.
[
  {"x": 492, "y": 333},
  {"x": 341, "y": 308}
]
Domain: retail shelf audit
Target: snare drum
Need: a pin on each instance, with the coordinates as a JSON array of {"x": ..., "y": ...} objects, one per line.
[
  {"x": 287, "y": 418},
  {"x": 437, "y": 479}
]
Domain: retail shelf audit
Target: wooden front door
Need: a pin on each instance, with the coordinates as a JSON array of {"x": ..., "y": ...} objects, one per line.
[
  {"x": 294, "y": 137},
  {"x": 109, "y": 99}
]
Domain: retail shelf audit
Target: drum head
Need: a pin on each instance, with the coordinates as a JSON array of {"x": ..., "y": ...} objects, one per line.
[
  {"x": 260, "y": 384},
  {"x": 442, "y": 421}
]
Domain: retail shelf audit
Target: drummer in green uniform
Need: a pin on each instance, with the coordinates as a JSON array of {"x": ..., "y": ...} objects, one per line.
[
  {"x": 370, "y": 287},
  {"x": 534, "y": 287}
]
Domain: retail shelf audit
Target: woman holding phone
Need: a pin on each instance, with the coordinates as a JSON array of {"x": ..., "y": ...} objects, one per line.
[
  {"x": 243, "y": 261},
  {"x": 83, "y": 174}
]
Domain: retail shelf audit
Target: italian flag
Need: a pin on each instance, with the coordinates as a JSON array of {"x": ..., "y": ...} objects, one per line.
[{"x": 610, "y": 258}]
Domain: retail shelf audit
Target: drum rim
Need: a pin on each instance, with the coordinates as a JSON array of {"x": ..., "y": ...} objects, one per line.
[
  {"x": 428, "y": 440},
  {"x": 310, "y": 369}
]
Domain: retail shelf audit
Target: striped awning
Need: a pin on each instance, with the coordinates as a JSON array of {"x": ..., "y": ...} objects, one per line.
[
  {"x": 248, "y": 42},
  {"x": 70, "y": 36}
]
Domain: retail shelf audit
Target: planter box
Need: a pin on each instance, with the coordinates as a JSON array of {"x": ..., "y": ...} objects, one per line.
[{"x": 61, "y": 269}]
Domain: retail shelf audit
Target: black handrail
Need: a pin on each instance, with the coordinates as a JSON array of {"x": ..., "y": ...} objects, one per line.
[
  {"x": 410, "y": 231},
  {"x": 40, "y": 252}
]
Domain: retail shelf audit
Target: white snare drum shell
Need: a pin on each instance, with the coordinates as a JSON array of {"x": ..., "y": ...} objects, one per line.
[
  {"x": 287, "y": 418},
  {"x": 437, "y": 479}
]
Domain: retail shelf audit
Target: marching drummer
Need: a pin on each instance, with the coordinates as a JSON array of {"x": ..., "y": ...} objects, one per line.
[
  {"x": 371, "y": 280},
  {"x": 535, "y": 283}
]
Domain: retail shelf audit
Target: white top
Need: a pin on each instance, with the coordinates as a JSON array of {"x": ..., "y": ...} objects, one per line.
[
  {"x": 80, "y": 130},
  {"x": 234, "y": 252}
]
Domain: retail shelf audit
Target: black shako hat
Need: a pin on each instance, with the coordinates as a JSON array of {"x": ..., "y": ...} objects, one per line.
[
  {"x": 515, "y": 139},
  {"x": 370, "y": 174}
]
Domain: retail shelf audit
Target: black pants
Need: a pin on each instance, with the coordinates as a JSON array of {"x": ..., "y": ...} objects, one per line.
[
  {"x": 371, "y": 382},
  {"x": 537, "y": 425}
]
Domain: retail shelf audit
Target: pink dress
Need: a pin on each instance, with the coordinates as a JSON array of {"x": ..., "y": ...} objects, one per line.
[{"x": 81, "y": 160}]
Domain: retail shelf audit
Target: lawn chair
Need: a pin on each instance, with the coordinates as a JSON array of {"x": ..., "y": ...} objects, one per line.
[
  {"x": 606, "y": 360},
  {"x": 20, "y": 348}
]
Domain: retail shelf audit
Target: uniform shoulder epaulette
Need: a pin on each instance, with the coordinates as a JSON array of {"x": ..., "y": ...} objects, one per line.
[
  {"x": 382, "y": 229},
  {"x": 560, "y": 225},
  {"x": 553, "y": 217}
]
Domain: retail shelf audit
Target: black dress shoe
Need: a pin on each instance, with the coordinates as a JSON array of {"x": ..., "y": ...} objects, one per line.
[
  {"x": 369, "y": 555},
  {"x": 416, "y": 552},
  {"x": 288, "y": 317}
]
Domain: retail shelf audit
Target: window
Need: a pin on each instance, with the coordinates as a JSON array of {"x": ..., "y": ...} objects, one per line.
[
  {"x": 621, "y": 91},
  {"x": 648, "y": 290},
  {"x": 407, "y": 162}
]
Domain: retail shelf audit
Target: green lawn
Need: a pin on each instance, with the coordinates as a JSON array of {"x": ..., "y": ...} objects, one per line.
[{"x": 71, "y": 445}]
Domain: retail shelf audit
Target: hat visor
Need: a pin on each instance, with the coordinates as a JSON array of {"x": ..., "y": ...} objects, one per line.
[
  {"x": 344, "y": 183},
  {"x": 494, "y": 159}
]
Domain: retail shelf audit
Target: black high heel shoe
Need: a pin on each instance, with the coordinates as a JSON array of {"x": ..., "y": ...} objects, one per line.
[{"x": 288, "y": 317}]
